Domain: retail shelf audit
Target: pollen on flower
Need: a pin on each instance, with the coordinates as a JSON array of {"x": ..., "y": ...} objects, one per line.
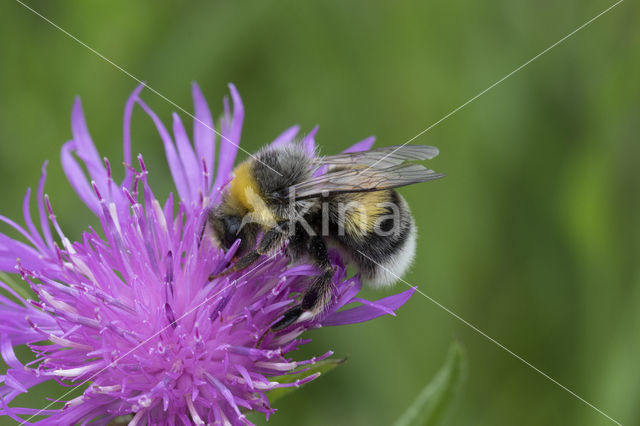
[{"x": 130, "y": 308}]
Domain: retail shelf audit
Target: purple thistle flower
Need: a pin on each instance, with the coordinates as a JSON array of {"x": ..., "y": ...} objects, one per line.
[{"x": 129, "y": 308}]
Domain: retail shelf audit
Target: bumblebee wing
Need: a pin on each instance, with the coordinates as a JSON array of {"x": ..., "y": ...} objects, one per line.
[
  {"x": 381, "y": 158},
  {"x": 362, "y": 180}
]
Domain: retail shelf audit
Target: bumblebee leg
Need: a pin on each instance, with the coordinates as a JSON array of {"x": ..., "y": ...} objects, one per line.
[
  {"x": 319, "y": 292},
  {"x": 289, "y": 318},
  {"x": 272, "y": 240},
  {"x": 298, "y": 243},
  {"x": 244, "y": 262}
]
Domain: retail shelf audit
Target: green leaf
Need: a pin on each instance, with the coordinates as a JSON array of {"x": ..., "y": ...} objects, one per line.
[
  {"x": 318, "y": 368},
  {"x": 432, "y": 403}
]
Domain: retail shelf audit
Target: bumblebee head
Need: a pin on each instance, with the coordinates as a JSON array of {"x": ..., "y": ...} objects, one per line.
[{"x": 224, "y": 229}]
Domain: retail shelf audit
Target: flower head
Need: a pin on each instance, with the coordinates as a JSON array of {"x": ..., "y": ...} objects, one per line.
[{"x": 130, "y": 308}]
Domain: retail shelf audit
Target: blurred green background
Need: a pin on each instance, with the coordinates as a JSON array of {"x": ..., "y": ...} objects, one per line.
[{"x": 533, "y": 236}]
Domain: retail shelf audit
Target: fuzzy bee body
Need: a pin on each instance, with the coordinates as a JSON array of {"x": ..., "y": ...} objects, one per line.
[
  {"x": 305, "y": 202},
  {"x": 380, "y": 241}
]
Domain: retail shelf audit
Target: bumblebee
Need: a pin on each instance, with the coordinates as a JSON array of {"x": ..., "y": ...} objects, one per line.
[{"x": 286, "y": 197}]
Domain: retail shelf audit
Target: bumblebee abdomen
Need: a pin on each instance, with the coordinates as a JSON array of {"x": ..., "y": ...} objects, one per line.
[
  {"x": 379, "y": 235},
  {"x": 358, "y": 214}
]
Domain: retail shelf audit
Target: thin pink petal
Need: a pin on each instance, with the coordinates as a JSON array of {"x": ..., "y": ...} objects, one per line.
[
  {"x": 33, "y": 231},
  {"x": 238, "y": 116},
  {"x": 190, "y": 164},
  {"x": 44, "y": 222},
  {"x": 204, "y": 137},
  {"x": 363, "y": 145},
  {"x": 368, "y": 312},
  {"x": 11, "y": 251},
  {"x": 77, "y": 178},
  {"x": 21, "y": 230},
  {"x": 175, "y": 166},
  {"x": 232, "y": 130},
  {"x": 126, "y": 134},
  {"x": 309, "y": 141},
  {"x": 286, "y": 137},
  {"x": 85, "y": 149}
]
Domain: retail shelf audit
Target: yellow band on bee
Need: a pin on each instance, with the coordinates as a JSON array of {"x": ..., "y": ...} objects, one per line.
[
  {"x": 243, "y": 185},
  {"x": 363, "y": 210}
]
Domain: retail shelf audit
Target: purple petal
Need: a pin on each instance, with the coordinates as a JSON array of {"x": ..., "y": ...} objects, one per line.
[
  {"x": 229, "y": 143},
  {"x": 85, "y": 149},
  {"x": 33, "y": 231},
  {"x": 175, "y": 166},
  {"x": 368, "y": 312},
  {"x": 77, "y": 178},
  {"x": 188, "y": 157},
  {"x": 309, "y": 142},
  {"x": 353, "y": 288},
  {"x": 11, "y": 251},
  {"x": 376, "y": 305},
  {"x": 126, "y": 134},
  {"x": 14, "y": 411},
  {"x": 286, "y": 137},
  {"x": 20, "y": 229},
  {"x": 363, "y": 145},
  {"x": 238, "y": 117},
  {"x": 347, "y": 292},
  {"x": 8, "y": 355},
  {"x": 44, "y": 223},
  {"x": 13, "y": 324},
  {"x": 204, "y": 137}
]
